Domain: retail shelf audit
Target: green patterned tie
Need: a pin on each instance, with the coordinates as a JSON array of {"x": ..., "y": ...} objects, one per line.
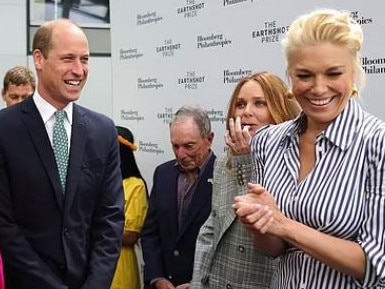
[{"x": 60, "y": 146}]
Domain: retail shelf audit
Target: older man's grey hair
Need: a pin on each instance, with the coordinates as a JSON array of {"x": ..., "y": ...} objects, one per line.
[{"x": 199, "y": 116}]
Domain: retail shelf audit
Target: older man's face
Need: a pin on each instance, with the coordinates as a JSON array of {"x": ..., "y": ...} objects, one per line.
[{"x": 190, "y": 148}]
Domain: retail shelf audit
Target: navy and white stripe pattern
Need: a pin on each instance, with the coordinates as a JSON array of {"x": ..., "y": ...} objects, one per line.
[{"x": 344, "y": 195}]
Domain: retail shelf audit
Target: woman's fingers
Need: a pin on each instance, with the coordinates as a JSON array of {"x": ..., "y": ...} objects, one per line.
[
  {"x": 254, "y": 216},
  {"x": 238, "y": 138}
]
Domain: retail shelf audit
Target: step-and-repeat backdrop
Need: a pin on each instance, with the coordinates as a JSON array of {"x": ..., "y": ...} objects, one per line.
[{"x": 168, "y": 53}]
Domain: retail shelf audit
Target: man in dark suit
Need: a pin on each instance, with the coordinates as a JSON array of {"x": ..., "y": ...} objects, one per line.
[
  {"x": 180, "y": 202},
  {"x": 59, "y": 232},
  {"x": 18, "y": 84}
]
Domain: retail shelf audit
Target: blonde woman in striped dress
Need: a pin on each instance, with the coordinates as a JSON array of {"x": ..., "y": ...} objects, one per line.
[{"x": 319, "y": 201}]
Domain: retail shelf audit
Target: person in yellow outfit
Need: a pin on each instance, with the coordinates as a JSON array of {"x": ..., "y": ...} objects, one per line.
[{"x": 136, "y": 204}]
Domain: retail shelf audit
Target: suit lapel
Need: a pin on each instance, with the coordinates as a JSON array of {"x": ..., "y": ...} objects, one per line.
[
  {"x": 228, "y": 218},
  {"x": 78, "y": 141},
  {"x": 171, "y": 185},
  {"x": 231, "y": 189},
  {"x": 201, "y": 197},
  {"x": 34, "y": 124}
]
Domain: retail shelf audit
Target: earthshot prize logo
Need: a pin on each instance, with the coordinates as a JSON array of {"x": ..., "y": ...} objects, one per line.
[
  {"x": 270, "y": 33},
  {"x": 166, "y": 115},
  {"x": 148, "y": 18},
  {"x": 191, "y": 9},
  {"x": 191, "y": 80},
  {"x": 151, "y": 147},
  {"x": 168, "y": 48}
]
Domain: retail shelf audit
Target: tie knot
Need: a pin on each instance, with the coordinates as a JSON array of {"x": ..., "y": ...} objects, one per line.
[{"x": 60, "y": 115}]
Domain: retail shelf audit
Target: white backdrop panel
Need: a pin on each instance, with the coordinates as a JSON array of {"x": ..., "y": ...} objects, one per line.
[{"x": 166, "y": 54}]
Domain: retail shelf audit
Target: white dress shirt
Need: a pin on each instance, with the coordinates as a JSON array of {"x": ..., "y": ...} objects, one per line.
[{"x": 47, "y": 112}]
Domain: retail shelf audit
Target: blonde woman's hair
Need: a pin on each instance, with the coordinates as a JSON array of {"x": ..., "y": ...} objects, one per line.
[{"x": 326, "y": 26}]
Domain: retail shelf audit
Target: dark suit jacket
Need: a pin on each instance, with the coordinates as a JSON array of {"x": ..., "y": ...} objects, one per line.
[
  {"x": 168, "y": 252},
  {"x": 50, "y": 240}
]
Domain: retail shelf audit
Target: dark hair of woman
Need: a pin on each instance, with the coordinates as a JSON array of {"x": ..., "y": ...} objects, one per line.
[{"x": 128, "y": 165}]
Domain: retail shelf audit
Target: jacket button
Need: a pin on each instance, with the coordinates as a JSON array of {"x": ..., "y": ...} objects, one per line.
[
  {"x": 176, "y": 253},
  {"x": 66, "y": 232}
]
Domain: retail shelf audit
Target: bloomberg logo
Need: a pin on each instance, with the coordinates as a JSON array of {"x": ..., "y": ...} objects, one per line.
[{"x": 234, "y": 76}]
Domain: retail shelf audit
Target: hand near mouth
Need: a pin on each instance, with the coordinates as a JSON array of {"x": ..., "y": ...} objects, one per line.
[{"x": 238, "y": 138}]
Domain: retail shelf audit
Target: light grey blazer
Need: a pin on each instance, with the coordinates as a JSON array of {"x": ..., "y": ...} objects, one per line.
[{"x": 225, "y": 255}]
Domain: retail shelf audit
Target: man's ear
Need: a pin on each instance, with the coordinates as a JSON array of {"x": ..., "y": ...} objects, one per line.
[
  {"x": 210, "y": 137},
  {"x": 38, "y": 57}
]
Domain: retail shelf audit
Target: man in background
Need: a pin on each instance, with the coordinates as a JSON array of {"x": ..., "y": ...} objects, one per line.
[
  {"x": 61, "y": 196},
  {"x": 180, "y": 202},
  {"x": 18, "y": 84}
]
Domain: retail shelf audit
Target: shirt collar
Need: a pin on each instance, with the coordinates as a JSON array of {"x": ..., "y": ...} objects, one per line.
[
  {"x": 340, "y": 132},
  {"x": 201, "y": 168},
  {"x": 343, "y": 129},
  {"x": 47, "y": 110}
]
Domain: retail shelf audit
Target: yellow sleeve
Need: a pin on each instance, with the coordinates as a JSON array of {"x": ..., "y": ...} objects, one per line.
[{"x": 136, "y": 204}]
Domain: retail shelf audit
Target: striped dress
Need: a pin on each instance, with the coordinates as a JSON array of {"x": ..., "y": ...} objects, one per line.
[{"x": 343, "y": 196}]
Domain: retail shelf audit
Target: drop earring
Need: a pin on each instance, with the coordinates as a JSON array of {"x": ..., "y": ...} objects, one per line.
[{"x": 289, "y": 93}]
